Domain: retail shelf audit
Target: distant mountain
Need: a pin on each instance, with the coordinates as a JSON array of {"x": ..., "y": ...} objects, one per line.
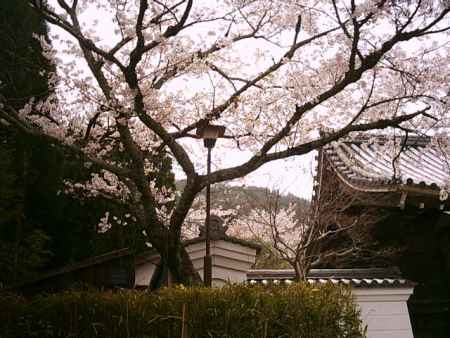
[{"x": 246, "y": 197}]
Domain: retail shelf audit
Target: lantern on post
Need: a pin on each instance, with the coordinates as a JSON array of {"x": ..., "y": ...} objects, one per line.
[{"x": 209, "y": 133}]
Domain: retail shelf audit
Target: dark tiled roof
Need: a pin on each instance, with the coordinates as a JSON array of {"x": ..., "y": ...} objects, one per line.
[
  {"x": 367, "y": 164},
  {"x": 362, "y": 278}
]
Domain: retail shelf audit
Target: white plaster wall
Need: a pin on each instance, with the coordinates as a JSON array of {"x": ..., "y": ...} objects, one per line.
[
  {"x": 230, "y": 261},
  {"x": 144, "y": 273},
  {"x": 384, "y": 311}
]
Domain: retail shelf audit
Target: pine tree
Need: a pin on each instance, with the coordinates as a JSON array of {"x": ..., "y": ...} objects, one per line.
[{"x": 23, "y": 246}]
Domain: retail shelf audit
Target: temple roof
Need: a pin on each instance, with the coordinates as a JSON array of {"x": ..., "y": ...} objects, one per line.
[{"x": 377, "y": 164}]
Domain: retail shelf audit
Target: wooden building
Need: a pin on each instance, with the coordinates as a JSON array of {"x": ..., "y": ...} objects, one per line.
[
  {"x": 108, "y": 271},
  {"x": 404, "y": 180}
]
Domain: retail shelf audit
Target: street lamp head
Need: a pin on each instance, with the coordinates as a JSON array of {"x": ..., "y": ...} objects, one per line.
[{"x": 210, "y": 133}]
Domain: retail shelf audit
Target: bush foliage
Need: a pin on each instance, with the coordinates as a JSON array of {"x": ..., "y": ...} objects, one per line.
[{"x": 298, "y": 310}]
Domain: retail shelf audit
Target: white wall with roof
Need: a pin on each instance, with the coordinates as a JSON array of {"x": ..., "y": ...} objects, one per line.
[
  {"x": 143, "y": 273},
  {"x": 384, "y": 311},
  {"x": 230, "y": 261},
  {"x": 382, "y": 301},
  {"x": 380, "y": 293}
]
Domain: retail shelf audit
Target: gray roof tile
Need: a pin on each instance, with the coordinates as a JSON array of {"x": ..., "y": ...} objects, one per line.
[
  {"x": 358, "y": 278},
  {"x": 371, "y": 164}
]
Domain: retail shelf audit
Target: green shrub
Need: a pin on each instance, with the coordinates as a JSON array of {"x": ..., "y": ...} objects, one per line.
[{"x": 298, "y": 310}]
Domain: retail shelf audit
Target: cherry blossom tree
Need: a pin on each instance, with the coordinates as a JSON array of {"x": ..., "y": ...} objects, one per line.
[
  {"x": 285, "y": 76},
  {"x": 301, "y": 235}
]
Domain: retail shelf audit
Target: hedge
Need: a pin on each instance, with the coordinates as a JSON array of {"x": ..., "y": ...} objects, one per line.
[{"x": 298, "y": 310}]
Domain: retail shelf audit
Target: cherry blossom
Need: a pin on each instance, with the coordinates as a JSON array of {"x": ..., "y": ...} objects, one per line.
[{"x": 284, "y": 76}]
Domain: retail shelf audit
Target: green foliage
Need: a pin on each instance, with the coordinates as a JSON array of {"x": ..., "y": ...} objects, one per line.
[
  {"x": 9, "y": 194},
  {"x": 31, "y": 198},
  {"x": 298, "y": 310},
  {"x": 21, "y": 260},
  {"x": 24, "y": 69},
  {"x": 24, "y": 248},
  {"x": 32, "y": 171}
]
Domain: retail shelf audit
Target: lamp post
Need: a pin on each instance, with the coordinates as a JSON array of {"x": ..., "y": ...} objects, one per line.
[{"x": 209, "y": 133}]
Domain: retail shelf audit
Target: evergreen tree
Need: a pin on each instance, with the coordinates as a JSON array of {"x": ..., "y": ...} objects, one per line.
[
  {"x": 24, "y": 69},
  {"x": 23, "y": 245},
  {"x": 41, "y": 227}
]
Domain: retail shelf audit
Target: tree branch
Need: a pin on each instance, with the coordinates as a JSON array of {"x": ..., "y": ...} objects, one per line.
[{"x": 28, "y": 129}]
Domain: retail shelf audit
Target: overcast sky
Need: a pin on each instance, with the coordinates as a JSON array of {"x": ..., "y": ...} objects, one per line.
[{"x": 293, "y": 175}]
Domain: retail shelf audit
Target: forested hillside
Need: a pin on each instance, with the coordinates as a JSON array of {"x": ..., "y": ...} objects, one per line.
[{"x": 243, "y": 197}]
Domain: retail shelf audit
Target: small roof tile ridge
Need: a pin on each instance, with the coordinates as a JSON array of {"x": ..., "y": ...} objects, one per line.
[
  {"x": 369, "y": 277},
  {"x": 226, "y": 238},
  {"x": 391, "y": 272}
]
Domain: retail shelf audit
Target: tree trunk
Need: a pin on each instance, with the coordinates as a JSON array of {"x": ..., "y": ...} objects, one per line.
[
  {"x": 300, "y": 272},
  {"x": 173, "y": 255},
  {"x": 181, "y": 268},
  {"x": 21, "y": 167}
]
